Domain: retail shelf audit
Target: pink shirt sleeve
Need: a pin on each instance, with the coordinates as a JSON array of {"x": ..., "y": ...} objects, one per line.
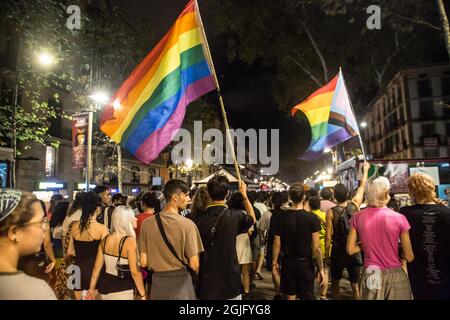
[
  {"x": 403, "y": 223},
  {"x": 353, "y": 220}
]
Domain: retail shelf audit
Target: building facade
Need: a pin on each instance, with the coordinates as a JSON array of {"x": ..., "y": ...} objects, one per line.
[{"x": 410, "y": 118}]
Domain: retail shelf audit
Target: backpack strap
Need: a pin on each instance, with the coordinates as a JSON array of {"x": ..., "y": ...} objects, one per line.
[{"x": 216, "y": 225}]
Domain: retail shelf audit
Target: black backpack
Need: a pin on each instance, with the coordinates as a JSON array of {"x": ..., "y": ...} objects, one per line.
[{"x": 341, "y": 223}]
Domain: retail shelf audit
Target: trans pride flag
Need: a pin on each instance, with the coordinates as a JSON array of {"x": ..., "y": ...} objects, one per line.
[
  {"x": 330, "y": 115},
  {"x": 149, "y": 107}
]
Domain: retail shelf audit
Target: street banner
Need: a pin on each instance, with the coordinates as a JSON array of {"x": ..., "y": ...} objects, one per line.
[{"x": 79, "y": 140}]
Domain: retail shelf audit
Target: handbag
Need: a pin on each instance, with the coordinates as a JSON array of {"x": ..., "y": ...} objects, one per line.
[{"x": 123, "y": 270}]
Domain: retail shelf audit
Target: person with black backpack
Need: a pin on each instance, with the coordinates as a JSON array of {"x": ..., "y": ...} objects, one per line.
[
  {"x": 338, "y": 226},
  {"x": 220, "y": 274}
]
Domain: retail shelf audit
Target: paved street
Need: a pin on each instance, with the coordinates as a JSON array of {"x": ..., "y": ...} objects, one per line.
[{"x": 265, "y": 291}]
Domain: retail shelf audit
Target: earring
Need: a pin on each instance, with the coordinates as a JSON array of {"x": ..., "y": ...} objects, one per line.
[{"x": 16, "y": 240}]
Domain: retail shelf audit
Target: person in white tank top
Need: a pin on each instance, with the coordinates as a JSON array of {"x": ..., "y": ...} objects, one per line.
[{"x": 118, "y": 252}]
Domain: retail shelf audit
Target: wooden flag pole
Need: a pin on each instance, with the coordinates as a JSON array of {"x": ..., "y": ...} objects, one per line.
[
  {"x": 222, "y": 107},
  {"x": 351, "y": 106}
]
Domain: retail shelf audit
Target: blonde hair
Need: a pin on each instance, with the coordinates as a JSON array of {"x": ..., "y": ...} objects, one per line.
[
  {"x": 377, "y": 190},
  {"x": 421, "y": 187},
  {"x": 122, "y": 221}
]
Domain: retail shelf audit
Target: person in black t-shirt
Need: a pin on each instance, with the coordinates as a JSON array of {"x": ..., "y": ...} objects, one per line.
[
  {"x": 278, "y": 201},
  {"x": 429, "y": 273},
  {"x": 295, "y": 235},
  {"x": 219, "y": 275}
]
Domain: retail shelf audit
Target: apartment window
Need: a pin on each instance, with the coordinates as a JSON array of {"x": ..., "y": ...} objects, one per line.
[
  {"x": 426, "y": 109},
  {"x": 424, "y": 88},
  {"x": 401, "y": 117},
  {"x": 445, "y": 86},
  {"x": 50, "y": 161},
  {"x": 428, "y": 130},
  {"x": 447, "y": 129},
  {"x": 398, "y": 96},
  {"x": 431, "y": 153}
]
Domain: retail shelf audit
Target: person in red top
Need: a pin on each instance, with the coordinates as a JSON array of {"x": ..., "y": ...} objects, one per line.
[{"x": 149, "y": 202}]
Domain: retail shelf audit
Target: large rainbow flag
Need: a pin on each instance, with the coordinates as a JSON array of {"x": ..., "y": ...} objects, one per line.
[
  {"x": 330, "y": 115},
  {"x": 149, "y": 108}
]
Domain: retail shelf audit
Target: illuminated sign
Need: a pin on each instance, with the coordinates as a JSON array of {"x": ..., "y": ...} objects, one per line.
[
  {"x": 51, "y": 185},
  {"x": 82, "y": 186},
  {"x": 3, "y": 174},
  {"x": 136, "y": 190}
]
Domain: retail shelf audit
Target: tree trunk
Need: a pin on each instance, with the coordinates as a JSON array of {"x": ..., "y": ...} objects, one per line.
[{"x": 445, "y": 25}]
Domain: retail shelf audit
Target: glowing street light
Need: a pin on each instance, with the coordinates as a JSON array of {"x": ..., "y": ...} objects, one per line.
[
  {"x": 327, "y": 150},
  {"x": 116, "y": 105},
  {"x": 45, "y": 58},
  {"x": 101, "y": 97},
  {"x": 363, "y": 124},
  {"x": 189, "y": 163}
]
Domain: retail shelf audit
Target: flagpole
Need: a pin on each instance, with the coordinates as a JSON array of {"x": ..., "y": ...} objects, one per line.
[
  {"x": 213, "y": 71},
  {"x": 351, "y": 106}
]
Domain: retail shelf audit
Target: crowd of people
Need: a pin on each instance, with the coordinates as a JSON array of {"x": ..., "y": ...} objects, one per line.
[{"x": 166, "y": 246}]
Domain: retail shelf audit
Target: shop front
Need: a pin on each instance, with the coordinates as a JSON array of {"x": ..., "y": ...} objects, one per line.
[{"x": 44, "y": 189}]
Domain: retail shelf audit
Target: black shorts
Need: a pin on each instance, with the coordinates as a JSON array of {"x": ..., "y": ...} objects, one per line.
[
  {"x": 341, "y": 260},
  {"x": 297, "y": 278}
]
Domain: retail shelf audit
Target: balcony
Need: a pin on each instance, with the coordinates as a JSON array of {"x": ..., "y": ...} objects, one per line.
[{"x": 430, "y": 140}]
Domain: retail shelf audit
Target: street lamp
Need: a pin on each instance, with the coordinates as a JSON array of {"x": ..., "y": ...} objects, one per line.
[
  {"x": 45, "y": 58},
  {"x": 363, "y": 124},
  {"x": 100, "y": 98}
]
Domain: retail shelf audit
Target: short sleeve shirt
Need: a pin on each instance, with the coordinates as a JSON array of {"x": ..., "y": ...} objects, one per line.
[
  {"x": 220, "y": 275},
  {"x": 295, "y": 231},
  {"x": 181, "y": 232},
  {"x": 379, "y": 230}
]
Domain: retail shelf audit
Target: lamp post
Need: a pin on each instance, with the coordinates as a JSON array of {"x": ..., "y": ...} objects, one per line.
[
  {"x": 45, "y": 59},
  {"x": 99, "y": 98}
]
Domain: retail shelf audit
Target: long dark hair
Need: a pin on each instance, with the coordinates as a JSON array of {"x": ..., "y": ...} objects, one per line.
[
  {"x": 76, "y": 204},
  {"x": 59, "y": 214},
  {"x": 91, "y": 201}
]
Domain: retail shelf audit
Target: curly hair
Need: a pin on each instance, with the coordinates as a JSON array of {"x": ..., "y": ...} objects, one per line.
[
  {"x": 421, "y": 187},
  {"x": 200, "y": 200}
]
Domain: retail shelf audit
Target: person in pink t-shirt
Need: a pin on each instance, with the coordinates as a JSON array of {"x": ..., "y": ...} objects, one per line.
[{"x": 379, "y": 229}]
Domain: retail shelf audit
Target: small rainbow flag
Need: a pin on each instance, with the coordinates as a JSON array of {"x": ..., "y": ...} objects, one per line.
[
  {"x": 330, "y": 115},
  {"x": 149, "y": 107}
]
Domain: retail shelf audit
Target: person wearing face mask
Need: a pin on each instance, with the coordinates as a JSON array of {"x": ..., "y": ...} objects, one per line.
[
  {"x": 429, "y": 273},
  {"x": 23, "y": 225},
  {"x": 85, "y": 238}
]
